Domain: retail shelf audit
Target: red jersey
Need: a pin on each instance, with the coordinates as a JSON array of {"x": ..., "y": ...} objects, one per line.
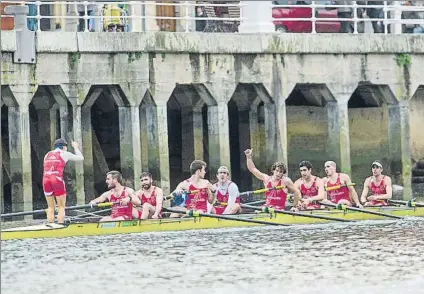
[
  {"x": 339, "y": 194},
  {"x": 312, "y": 191},
  {"x": 197, "y": 201},
  {"x": 379, "y": 189},
  {"x": 275, "y": 198},
  {"x": 151, "y": 200},
  {"x": 54, "y": 164},
  {"x": 119, "y": 210},
  {"x": 223, "y": 198}
]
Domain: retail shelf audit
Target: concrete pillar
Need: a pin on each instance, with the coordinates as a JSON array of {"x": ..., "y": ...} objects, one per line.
[
  {"x": 54, "y": 132},
  {"x": 150, "y": 24},
  {"x": 247, "y": 129},
  {"x": 219, "y": 136},
  {"x": 144, "y": 137},
  {"x": 400, "y": 147},
  {"x": 1, "y": 165},
  {"x": 270, "y": 134},
  {"x": 192, "y": 137},
  {"x": 136, "y": 145},
  {"x": 126, "y": 144},
  {"x": 279, "y": 90},
  {"x": 44, "y": 139},
  {"x": 84, "y": 116},
  {"x": 161, "y": 151},
  {"x": 258, "y": 17},
  {"x": 20, "y": 154},
  {"x": 136, "y": 23},
  {"x": 338, "y": 134}
]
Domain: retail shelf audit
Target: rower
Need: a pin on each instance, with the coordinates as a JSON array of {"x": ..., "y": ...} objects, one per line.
[
  {"x": 199, "y": 191},
  {"x": 119, "y": 195},
  {"x": 151, "y": 199},
  {"x": 380, "y": 186},
  {"x": 227, "y": 194},
  {"x": 311, "y": 187},
  {"x": 53, "y": 183},
  {"x": 345, "y": 193},
  {"x": 274, "y": 198}
]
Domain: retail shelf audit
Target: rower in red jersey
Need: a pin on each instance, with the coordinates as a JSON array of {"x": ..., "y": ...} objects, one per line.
[
  {"x": 150, "y": 198},
  {"x": 199, "y": 191},
  {"x": 341, "y": 193},
  {"x": 53, "y": 183},
  {"x": 274, "y": 198},
  {"x": 119, "y": 195},
  {"x": 311, "y": 187},
  {"x": 380, "y": 186},
  {"x": 227, "y": 194}
]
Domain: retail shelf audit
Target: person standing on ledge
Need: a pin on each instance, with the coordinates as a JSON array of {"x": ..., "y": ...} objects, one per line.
[
  {"x": 274, "y": 198},
  {"x": 53, "y": 183}
]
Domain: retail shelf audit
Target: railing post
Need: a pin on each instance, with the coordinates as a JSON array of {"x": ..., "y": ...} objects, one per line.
[
  {"x": 25, "y": 39},
  {"x": 396, "y": 28},
  {"x": 257, "y": 17}
]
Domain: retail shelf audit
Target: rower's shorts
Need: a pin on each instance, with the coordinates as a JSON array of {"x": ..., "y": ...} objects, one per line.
[{"x": 53, "y": 185}]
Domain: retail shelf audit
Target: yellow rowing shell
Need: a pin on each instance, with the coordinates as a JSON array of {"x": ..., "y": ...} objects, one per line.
[{"x": 196, "y": 223}]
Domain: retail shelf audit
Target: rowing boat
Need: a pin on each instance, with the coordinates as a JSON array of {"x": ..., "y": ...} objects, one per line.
[{"x": 193, "y": 223}]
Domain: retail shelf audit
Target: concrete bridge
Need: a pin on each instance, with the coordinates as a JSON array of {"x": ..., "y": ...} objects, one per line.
[{"x": 156, "y": 101}]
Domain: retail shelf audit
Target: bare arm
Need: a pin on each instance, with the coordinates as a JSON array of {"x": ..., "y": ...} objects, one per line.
[
  {"x": 233, "y": 193},
  {"x": 252, "y": 168},
  {"x": 102, "y": 198},
  {"x": 159, "y": 201},
  {"x": 211, "y": 192},
  {"x": 389, "y": 191},
  {"x": 352, "y": 191},
  {"x": 181, "y": 187},
  {"x": 321, "y": 192},
  {"x": 132, "y": 195},
  {"x": 292, "y": 187},
  {"x": 365, "y": 190},
  {"x": 69, "y": 156}
]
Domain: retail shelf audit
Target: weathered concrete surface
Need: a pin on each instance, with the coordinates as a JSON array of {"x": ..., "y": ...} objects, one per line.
[
  {"x": 221, "y": 43},
  {"x": 154, "y": 64}
]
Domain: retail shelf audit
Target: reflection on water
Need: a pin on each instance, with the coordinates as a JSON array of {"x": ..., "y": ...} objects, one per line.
[{"x": 368, "y": 257}]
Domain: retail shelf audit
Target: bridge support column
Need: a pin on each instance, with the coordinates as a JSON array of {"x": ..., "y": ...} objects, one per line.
[{"x": 400, "y": 147}]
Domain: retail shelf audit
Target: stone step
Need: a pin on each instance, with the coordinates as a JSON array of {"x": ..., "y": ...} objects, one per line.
[
  {"x": 419, "y": 165},
  {"x": 418, "y": 173},
  {"x": 418, "y": 180}
]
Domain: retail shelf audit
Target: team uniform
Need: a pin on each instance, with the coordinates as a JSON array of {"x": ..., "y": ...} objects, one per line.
[
  {"x": 151, "y": 200},
  {"x": 53, "y": 166},
  {"x": 275, "y": 198},
  {"x": 223, "y": 196},
  {"x": 376, "y": 190},
  {"x": 197, "y": 201},
  {"x": 119, "y": 210},
  {"x": 308, "y": 192},
  {"x": 339, "y": 194}
]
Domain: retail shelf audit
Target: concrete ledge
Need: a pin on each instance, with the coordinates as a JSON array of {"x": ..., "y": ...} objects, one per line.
[
  {"x": 221, "y": 43},
  {"x": 8, "y": 41},
  {"x": 57, "y": 42}
]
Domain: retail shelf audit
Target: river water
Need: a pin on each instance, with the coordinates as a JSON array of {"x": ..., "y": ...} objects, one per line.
[{"x": 367, "y": 257}]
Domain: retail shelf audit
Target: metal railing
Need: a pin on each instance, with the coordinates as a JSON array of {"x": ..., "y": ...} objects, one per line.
[{"x": 187, "y": 16}]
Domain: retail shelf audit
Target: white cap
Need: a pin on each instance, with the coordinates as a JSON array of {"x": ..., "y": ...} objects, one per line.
[
  {"x": 377, "y": 164},
  {"x": 223, "y": 168}
]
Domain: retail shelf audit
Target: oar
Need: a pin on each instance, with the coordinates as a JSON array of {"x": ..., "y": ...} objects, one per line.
[
  {"x": 338, "y": 187},
  {"x": 260, "y": 191},
  {"x": 345, "y": 207},
  {"x": 272, "y": 210},
  {"x": 193, "y": 213},
  {"x": 409, "y": 203},
  {"x": 98, "y": 205}
]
